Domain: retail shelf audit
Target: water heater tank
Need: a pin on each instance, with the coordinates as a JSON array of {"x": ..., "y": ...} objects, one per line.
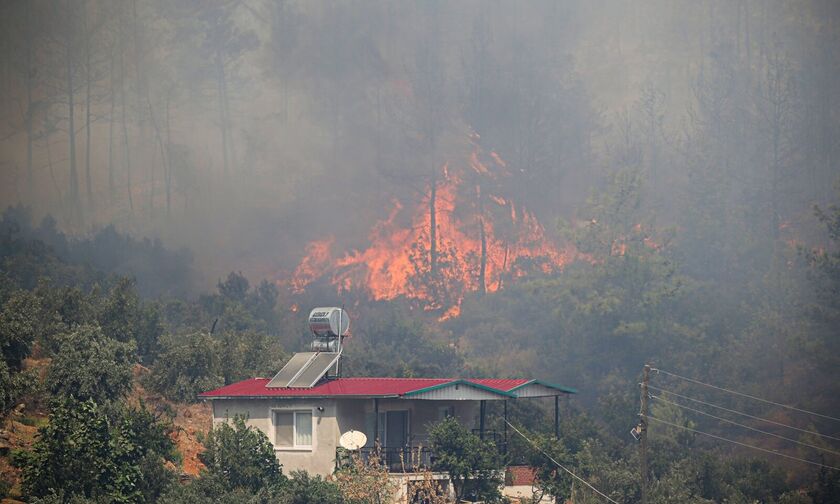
[{"x": 325, "y": 321}]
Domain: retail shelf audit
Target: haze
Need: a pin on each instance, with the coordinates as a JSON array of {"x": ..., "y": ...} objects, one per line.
[{"x": 564, "y": 189}]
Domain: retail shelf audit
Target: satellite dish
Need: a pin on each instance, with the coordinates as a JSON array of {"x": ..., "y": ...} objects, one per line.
[{"x": 352, "y": 440}]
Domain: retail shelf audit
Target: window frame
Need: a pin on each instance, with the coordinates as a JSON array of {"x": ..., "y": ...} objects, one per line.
[{"x": 294, "y": 411}]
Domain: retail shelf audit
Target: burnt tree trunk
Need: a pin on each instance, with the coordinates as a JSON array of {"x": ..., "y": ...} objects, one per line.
[
  {"x": 163, "y": 154},
  {"x": 52, "y": 169},
  {"x": 433, "y": 252},
  {"x": 168, "y": 167},
  {"x": 29, "y": 112},
  {"x": 221, "y": 86},
  {"x": 113, "y": 104},
  {"x": 126, "y": 146},
  {"x": 71, "y": 121},
  {"x": 482, "y": 269},
  {"x": 88, "y": 77}
]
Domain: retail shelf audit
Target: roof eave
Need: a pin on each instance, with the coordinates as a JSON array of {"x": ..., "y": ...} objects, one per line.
[
  {"x": 565, "y": 390},
  {"x": 460, "y": 382},
  {"x": 320, "y": 396}
]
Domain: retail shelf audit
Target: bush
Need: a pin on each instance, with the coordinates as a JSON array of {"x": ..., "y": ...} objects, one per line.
[
  {"x": 241, "y": 456},
  {"x": 549, "y": 479},
  {"x": 187, "y": 366},
  {"x": 15, "y": 387},
  {"x": 305, "y": 489},
  {"x": 18, "y": 323},
  {"x": 198, "y": 362},
  {"x": 124, "y": 317},
  {"x": 89, "y": 365},
  {"x": 300, "y": 489},
  {"x": 473, "y": 464},
  {"x": 207, "y": 489},
  {"x": 61, "y": 498},
  {"x": 91, "y": 452},
  {"x": 365, "y": 483},
  {"x": 248, "y": 354}
]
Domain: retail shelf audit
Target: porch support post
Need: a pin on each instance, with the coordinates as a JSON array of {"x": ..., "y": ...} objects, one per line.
[
  {"x": 481, "y": 419},
  {"x": 506, "y": 421},
  {"x": 557, "y": 417},
  {"x": 376, "y": 439}
]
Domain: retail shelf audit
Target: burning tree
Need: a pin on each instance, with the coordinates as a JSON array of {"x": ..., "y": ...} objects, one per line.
[
  {"x": 474, "y": 241},
  {"x": 440, "y": 284}
]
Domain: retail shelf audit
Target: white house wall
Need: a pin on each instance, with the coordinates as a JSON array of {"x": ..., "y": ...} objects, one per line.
[{"x": 320, "y": 459}]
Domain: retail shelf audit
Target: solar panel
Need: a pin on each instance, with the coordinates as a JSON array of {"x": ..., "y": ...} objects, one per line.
[
  {"x": 292, "y": 369},
  {"x": 316, "y": 369}
]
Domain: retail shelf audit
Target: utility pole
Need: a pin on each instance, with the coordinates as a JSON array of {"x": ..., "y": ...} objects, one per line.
[{"x": 643, "y": 425}]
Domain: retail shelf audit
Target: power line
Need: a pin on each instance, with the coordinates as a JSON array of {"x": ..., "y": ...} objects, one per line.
[
  {"x": 773, "y": 422},
  {"x": 746, "y": 426},
  {"x": 558, "y": 464},
  {"x": 772, "y": 452},
  {"x": 698, "y": 382}
]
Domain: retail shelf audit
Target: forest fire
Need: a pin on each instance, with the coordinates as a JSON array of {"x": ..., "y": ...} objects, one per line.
[{"x": 481, "y": 240}]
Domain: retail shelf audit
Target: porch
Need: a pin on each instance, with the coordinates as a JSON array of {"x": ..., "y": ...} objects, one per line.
[{"x": 409, "y": 458}]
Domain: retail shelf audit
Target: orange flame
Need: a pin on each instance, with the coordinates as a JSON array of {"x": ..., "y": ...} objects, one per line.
[
  {"x": 312, "y": 266},
  {"x": 498, "y": 159},
  {"x": 398, "y": 260}
]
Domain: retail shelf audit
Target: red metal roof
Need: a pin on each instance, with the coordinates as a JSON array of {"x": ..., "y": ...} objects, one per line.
[{"x": 364, "y": 387}]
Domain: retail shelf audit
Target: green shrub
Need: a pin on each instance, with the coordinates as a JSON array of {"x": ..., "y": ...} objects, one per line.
[
  {"x": 86, "y": 450},
  {"x": 241, "y": 456},
  {"x": 90, "y": 365},
  {"x": 5, "y": 488},
  {"x": 187, "y": 365},
  {"x": 15, "y": 386},
  {"x": 18, "y": 327},
  {"x": 473, "y": 464},
  {"x": 305, "y": 489}
]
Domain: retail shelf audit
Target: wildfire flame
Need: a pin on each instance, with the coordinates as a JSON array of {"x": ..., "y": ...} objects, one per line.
[
  {"x": 317, "y": 256},
  {"x": 482, "y": 241}
]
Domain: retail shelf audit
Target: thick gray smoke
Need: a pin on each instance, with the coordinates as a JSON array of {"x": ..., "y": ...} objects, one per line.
[{"x": 247, "y": 129}]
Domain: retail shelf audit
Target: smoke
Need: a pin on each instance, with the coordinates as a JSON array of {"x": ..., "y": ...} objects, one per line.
[{"x": 262, "y": 134}]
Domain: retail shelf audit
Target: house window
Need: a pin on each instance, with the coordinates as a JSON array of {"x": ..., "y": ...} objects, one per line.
[
  {"x": 303, "y": 428},
  {"x": 293, "y": 429},
  {"x": 445, "y": 412}
]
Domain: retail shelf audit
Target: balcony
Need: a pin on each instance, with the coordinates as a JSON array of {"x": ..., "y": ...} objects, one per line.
[{"x": 406, "y": 459}]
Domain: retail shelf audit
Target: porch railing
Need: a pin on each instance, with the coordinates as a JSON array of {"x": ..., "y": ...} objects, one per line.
[
  {"x": 407, "y": 459},
  {"x": 404, "y": 459}
]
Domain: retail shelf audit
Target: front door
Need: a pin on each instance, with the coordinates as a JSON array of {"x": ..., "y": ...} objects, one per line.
[
  {"x": 396, "y": 429},
  {"x": 396, "y": 440}
]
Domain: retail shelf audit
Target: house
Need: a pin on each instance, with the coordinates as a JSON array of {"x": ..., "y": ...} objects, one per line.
[{"x": 307, "y": 406}]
